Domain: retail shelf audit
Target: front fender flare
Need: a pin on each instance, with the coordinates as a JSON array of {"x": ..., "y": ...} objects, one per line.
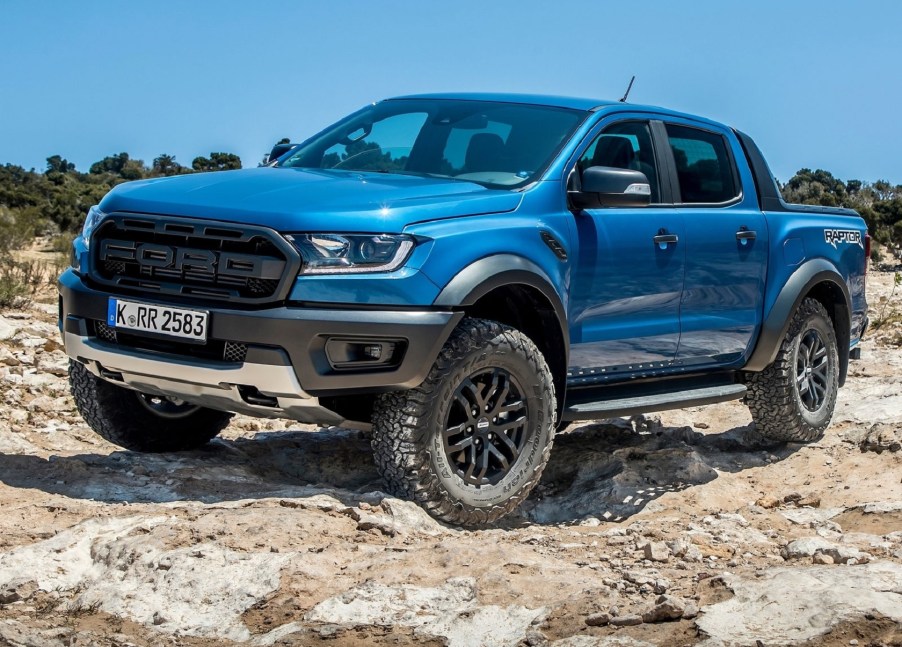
[
  {"x": 481, "y": 277},
  {"x": 773, "y": 330}
]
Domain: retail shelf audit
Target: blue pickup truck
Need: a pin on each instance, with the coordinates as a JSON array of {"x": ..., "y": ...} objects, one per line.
[{"x": 463, "y": 275}]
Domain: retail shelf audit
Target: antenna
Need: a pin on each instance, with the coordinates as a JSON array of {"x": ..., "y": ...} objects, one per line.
[{"x": 628, "y": 88}]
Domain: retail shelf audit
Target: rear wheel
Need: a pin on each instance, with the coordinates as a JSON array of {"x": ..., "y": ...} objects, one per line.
[
  {"x": 793, "y": 399},
  {"x": 471, "y": 441},
  {"x": 142, "y": 422}
]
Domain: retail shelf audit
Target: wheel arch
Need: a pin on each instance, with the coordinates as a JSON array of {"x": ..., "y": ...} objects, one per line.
[
  {"x": 817, "y": 279},
  {"x": 515, "y": 291}
]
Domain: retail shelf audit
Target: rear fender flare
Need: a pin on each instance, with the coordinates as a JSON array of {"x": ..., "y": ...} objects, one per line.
[{"x": 799, "y": 285}]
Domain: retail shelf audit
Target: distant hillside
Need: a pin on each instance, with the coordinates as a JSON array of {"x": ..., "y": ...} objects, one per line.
[{"x": 57, "y": 199}]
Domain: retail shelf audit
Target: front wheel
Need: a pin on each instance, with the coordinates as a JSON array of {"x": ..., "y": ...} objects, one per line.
[
  {"x": 142, "y": 422},
  {"x": 793, "y": 399},
  {"x": 471, "y": 441}
]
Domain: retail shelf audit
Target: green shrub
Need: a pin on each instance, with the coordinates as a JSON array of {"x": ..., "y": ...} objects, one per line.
[
  {"x": 62, "y": 244},
  {"x": 21, "y": 280},
  {"x": 16, "y": 231},
  {"x": 894, "y": 315}
]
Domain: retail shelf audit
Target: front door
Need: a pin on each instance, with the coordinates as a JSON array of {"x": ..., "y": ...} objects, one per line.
[{"x": 628, "y": 277}]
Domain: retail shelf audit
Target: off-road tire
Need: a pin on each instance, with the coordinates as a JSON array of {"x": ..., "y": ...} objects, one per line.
[
  {"x": 117, "y": 415},
  {"x": 409, "y": 426},
  {"x": 775, "y": 399}
]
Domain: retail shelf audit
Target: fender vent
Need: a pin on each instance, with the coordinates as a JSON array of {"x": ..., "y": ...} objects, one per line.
[{"x": 554, "y": 245}]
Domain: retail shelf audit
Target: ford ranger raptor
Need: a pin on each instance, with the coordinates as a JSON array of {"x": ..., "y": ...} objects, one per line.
[{"x": 462, "y": 275}]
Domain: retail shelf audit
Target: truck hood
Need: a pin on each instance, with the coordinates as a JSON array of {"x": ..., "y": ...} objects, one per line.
[{"x": 292, "y": 199}]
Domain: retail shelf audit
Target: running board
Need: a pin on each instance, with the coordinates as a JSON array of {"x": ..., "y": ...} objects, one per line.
[{"x": 615, "y": 408}]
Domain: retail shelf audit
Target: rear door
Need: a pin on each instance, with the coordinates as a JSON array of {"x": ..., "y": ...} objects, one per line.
[
  {"x": 726, "y": 245},
  {"x": 628, "y": 274}
]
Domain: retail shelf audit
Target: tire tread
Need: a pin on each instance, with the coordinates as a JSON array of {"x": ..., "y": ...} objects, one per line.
[
  {"x": 771, "y": 397},
  {"x": 114, "y": 414},
  {"x": 400, "y": 433}
]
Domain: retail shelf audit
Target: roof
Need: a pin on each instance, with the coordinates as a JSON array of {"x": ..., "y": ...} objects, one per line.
[{"x": 574, "y": 103}]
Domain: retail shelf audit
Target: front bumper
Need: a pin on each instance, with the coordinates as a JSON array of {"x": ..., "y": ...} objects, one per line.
[{"x": 286, "y": 369}]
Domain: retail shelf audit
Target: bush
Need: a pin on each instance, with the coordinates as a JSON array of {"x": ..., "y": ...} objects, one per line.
[
  {"x": 21, "y": 280},
  {"x": 16, "y": 231},
  {"x": 62, "y": 244},
  {"x": 894, "y": 316}
]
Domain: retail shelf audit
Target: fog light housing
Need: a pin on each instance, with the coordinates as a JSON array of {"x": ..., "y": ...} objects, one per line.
[
  {"x": 373, "y": 351},
  {"x": 346, "y": 353}
]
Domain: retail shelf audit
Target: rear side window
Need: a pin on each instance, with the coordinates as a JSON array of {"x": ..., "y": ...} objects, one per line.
[{"x": 703, "y": 165}]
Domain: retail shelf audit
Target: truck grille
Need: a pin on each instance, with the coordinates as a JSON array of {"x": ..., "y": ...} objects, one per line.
[{"x": 191, "y": 258}]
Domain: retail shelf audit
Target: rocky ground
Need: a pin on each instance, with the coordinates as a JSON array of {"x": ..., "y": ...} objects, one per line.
[{"x": 678, "y": 529}]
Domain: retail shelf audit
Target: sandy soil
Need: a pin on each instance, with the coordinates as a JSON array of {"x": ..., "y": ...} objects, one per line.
[{"x": 678, "y": 529}]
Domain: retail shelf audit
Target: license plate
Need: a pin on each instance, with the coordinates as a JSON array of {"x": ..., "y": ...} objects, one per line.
[{"x": 162, "y": 320}]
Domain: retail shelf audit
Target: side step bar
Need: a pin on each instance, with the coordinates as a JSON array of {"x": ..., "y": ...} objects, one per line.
[{"x": 646, "y": 403}]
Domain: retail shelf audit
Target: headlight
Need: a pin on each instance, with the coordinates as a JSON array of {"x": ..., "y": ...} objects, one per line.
[
  {"x": 352, "y": 253},
  {"x": 94, "y": 216}
]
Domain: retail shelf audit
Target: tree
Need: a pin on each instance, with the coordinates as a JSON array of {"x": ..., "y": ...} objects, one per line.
[
  {"x": 217, "y": 162},
  {"x": 121, "y": 165},
  {"x": 110, "y": 164},
  {"x": 166, "y": 165},
  {"x": 56, "y": 164}
]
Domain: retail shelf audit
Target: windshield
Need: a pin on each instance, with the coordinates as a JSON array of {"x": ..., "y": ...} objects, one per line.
[{"x": 501, "y": 145}]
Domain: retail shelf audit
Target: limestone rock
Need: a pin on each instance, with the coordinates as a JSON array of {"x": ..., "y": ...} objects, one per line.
[
  {"x": 627, "y": 620},
  {"x": 809, "y": 500},
  {"x": 805, "y": 547},
  {"x": 451, "y": 611},
  {"x": 20, "y": 588},
  {"x": 8, "y": 328},
  {"x": 598, "y": 619},
  {"x": 656, "y": 551},
  {"x": 768, "y": 502},
  {"x": 800, "y": 604},
  {"x": 667, "y": 607},
  {"x": 882, "y": 437}
]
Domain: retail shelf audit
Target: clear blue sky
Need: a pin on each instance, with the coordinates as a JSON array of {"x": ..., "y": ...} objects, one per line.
[{"x": 816, "y": 82}]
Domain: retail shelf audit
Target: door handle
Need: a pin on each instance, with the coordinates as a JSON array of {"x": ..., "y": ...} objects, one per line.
[
  {"x": 663, "y": 239},
  {"x": 745, "y": 234}
]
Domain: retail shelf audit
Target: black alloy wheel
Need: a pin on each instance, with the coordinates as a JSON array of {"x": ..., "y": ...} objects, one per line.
[
  {"x": 812, "y": 370},
  {"x": 486, "y": 428}
]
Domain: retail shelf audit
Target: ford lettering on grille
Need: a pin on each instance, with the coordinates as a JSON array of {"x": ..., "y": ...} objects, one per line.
[
  {"x": 190, "y": 261},
  {"x": 138, "y": 254}
]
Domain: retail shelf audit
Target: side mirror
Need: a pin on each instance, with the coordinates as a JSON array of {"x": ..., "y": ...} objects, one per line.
[
  {"x": 604, "y": 186},
  {"x": 278, "y": 150}
]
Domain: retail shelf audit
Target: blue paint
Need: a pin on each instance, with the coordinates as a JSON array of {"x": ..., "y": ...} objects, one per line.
[{"x": 111, "y": 313}]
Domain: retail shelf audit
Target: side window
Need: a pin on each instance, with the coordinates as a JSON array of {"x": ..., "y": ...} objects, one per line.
[
  {"x": 625, "y": 145},
  {"x": 703, "y": 167}
]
